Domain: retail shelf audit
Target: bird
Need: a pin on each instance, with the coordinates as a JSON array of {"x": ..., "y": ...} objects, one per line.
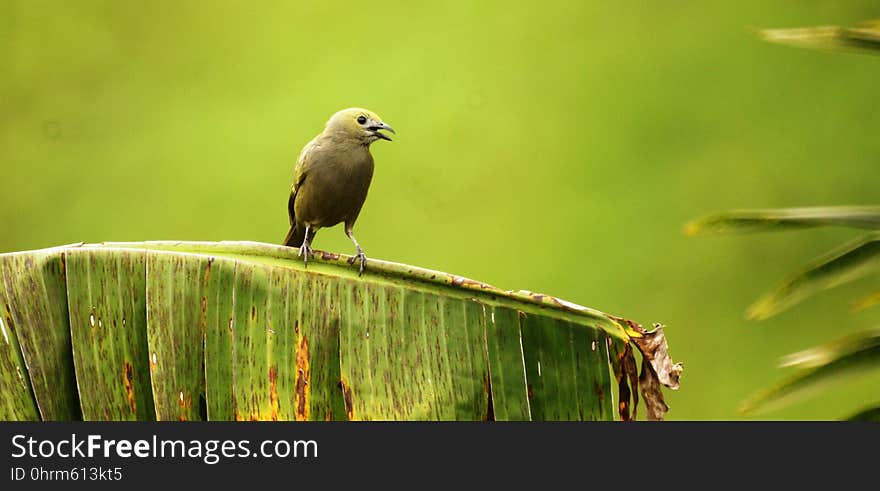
[{"x": 331, "y": 179}]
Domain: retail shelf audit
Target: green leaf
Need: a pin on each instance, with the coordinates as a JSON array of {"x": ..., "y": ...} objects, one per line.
[
  {"x": 15, "y": 386},
  {"x": 864, "y": 39},
  {"x": 567, "y": 370},
  {"x": 448, "y": 343},
  {"x": 33, "y": 315},
  {"x": 872, "y": 414},
  {"x": 826, "y": 353},
  {"x": 108, "y": 317},
  {"x": 321, "y": 389},
  {"x": 850, "y": 262},
  {"x": 823, "y": 366},
  {"x": 507, "y": 373},
  {"x": 177, "y": 292},
  {"x": 218, "y": 293},
  {"x": 740, "y": 221},
  {"x": 867, "y": 302},
  {"x": 244, "y": 331}
]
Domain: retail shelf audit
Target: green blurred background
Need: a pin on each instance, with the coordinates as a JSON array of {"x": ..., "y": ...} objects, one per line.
[{"x": 550, "y": 146}]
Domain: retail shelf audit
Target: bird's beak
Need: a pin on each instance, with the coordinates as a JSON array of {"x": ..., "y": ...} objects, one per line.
[{"x": 378, "y": 125}]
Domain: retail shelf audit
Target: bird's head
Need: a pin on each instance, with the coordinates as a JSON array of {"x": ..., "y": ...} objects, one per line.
[{"x": 358, "y": 124}]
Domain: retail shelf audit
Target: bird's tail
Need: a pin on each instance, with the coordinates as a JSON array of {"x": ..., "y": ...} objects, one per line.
[{"x": 295, "y": 236}]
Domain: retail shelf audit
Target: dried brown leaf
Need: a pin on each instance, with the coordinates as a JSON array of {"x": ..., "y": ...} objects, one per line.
[
  {"x": 655, "y": 349},
  {"x": 626, "y": 373},
  {"x": 655, "y": 405},
  {"x": 658, "y": 369}
]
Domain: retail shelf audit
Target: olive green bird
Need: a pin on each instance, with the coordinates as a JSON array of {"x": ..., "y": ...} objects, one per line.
[{"x": 331, "y": 179}]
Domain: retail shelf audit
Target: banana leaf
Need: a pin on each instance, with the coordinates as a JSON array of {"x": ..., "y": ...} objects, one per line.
[
  {"x": 845, "y": 264},
  {"x": 871, "y": 414},
  {"x": 864, "y": 38},
  {"x": 867, "y": 302},
  {"x": 244, "y": 331},
  {"x": 780, "y": 219},
  {"x": 820, "y": 367},
  {"x": 35, "y": 350}
]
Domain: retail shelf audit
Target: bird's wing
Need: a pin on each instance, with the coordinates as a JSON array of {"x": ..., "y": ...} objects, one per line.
[{"x": 303, "y": 163}]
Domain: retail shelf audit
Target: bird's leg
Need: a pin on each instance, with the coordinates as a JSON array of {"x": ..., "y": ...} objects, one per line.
[
  {"x": 305, "y": 250},
  {"x": 360, "y": 256}
]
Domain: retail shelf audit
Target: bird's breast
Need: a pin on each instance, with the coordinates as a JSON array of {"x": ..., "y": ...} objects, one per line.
[{"x": 335, "y": 186}]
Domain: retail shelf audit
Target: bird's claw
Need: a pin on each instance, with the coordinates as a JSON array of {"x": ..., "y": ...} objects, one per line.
[
  {"x": 305, "y": 251},
  {"x": 360, "y": 256}
]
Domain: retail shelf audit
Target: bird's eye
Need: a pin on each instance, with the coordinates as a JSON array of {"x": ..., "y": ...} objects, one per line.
[{"x": 362, "y": 120}]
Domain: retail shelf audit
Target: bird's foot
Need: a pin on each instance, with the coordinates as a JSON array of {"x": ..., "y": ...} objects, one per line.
[
  {"x": 305, "y": 251},
  {"x": 360, "y": 256}
]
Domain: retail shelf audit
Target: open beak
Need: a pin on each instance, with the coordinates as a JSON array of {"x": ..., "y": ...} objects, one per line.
[{"x": 381, "y": 126}]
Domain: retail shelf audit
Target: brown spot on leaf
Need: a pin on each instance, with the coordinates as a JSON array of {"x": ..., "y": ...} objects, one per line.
[
  {"x": 490, "y": 407},
  {"x": 347, "y": 399},
  {"x": 203, "y": 322},
  {"x": 328, "y": 256},
  {"x": 185, "y": 403},
  {"x": 253, "y": 312},
  {"x": 302, "y": 380},
  {"x": 625, "y": 372},
  {"x": 9, "y": 322},
  {"x": 128, "y": 380},
  {"x": 461, "y": 281},
  {"x": 273, "y": 392},
  {"x": 236, "y": 415}
]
